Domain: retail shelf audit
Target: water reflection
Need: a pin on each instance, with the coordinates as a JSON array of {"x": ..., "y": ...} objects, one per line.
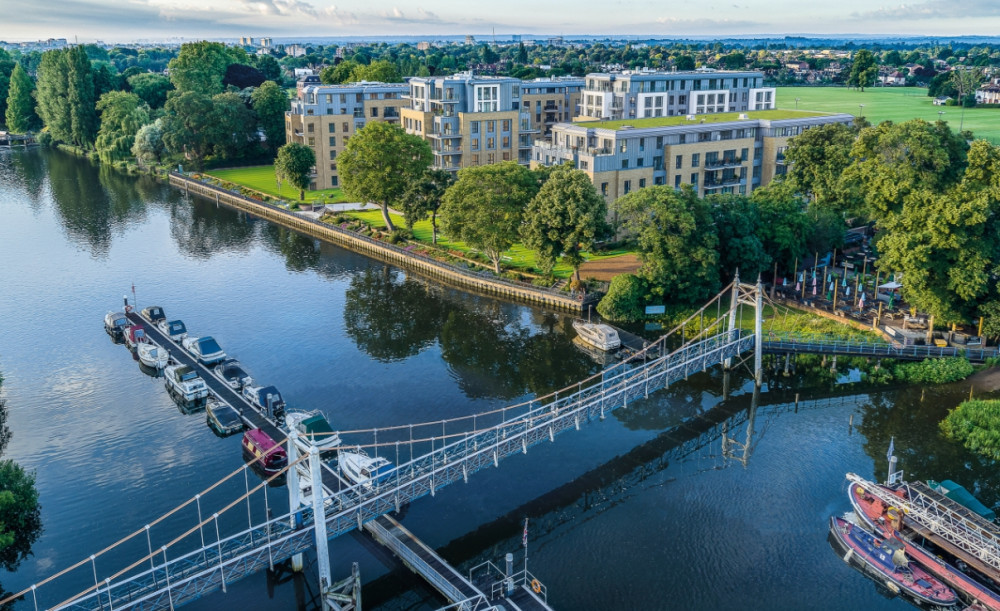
[
  {"x": 27, "y": 170},
  {"x": 300, "y": 251},
  {"x": 203, "y": 230},
  {"x": 84, "y": 206}
]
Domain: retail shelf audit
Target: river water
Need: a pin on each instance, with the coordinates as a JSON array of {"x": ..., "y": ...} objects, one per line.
[{"x": 641, "y": 511}]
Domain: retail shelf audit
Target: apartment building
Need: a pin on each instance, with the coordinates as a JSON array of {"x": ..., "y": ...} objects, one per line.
[
  {"x": 468, "y": 120},
  {"x": 721, "y": 153},
  {"x": 549, "y": 101},
  {"x": 636, "y": 94},
  {"x": 324, "y": 117}
]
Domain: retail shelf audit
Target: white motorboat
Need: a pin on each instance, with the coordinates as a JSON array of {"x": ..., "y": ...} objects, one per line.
[
  {"x": 174, "y": 329},
  {"x": 153, "y": 314},
  {"x": 313, "y": 429},
  {"x": 304, "y": 474},
  {"x": 185, "y": 382},
  {"x": 205, "y": 349},
  {"x": 232, "y": 373},
  {"x": 362, "y": 469},
  {"x": 152, "y": 355},
  {"x": 602, "y": 337},
  {"x": 115, "y": 323}
]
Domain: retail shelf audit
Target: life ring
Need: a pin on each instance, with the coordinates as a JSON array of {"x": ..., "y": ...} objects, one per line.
[{"x": 536, "y": 586}]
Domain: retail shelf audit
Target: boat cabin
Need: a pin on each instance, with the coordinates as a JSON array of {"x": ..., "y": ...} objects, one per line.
[
  {"x": 153, "y": 314},
  {"x": 135, "y": 334},
  {"x": 185, "y": 374},
  {"x": 258, "y": 445},
  {"x": 115, "y": 322},
  {"x": 377, "y": 469},
  {"x": 174, "y": 329}
]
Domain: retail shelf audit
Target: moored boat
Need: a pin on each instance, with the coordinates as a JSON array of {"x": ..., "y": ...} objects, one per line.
[
  {"x": 602, "y": 337},
  {"x": 185, "y": 382},
  {"x": 313, "y": 429},
  {"x": 205, "y": 349},
  {"x": 362, "y": 469},
  {"x": 173, "y": 329},
  {"x": 888, "y": 558},
  {"x": 154, "y": 314},
  {"x": 222, "y": 417},
  {"x": 115, "y": 323},
  {"x": 152, "y": 355},
  {"x": 134, "y": 335},
  {"x": 258, "y": 445},
  {"x": 267, "y": 399},
  {"x": 231, "y": 372}
]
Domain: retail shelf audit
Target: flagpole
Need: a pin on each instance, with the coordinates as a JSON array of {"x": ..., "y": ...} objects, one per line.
[{"x": 524, "y": 541}]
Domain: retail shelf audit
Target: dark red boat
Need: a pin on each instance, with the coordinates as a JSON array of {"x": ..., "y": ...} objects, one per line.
[{"x": 258, "y": 445}]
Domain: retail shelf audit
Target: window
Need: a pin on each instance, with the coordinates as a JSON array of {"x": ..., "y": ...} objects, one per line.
[
  {"x": 487, "y": 98},
  {"x": 333, "y": 155},
  {"x": 642, "y": 183},
  {"x": 584, "y": 165},
  {"x": 678, "y": 161},
  {"x": 624, "y": 164},
  {"x": 506, "y": 155},
  {"x": 506, "y": 142},
  {"x": 640, "y": 162},
  {"x": 744, "y": 154},
  {"x": 694, "y": 180},
  {"x": 312, "y": 141},
  {"x": 505, "y": 125},
  {"x": 677, "y": 181},
  {"x": 333, "y": 128},
  {"x": 333, "y": 141},
  {"x": 475, "y": 159},
  {"x": 475, "y": 144},
  {"x": 658, "y": 181},
  {"x": 658, "y": 163},
  {"x": 333, "y": 181},
  {"x": 310, "y": 128},
  {"x": 491, "y": 126},
  {"x": 333, "y": 167},
  {"x": 604, "y": 188},
  {"x": 375, "y": 111},
  {"x": 491, "y": 158},
  {"x": 490, "y": 143},
  {"x": 695, "y": 159},
  {"x": 475, "y": 127},
  {"x": 659, "y": 142},
  {"x": 346, "y": 127},
  {"x": 628, "y": 186}
]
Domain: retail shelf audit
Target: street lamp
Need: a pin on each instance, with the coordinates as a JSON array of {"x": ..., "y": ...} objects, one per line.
[
  {"x": 861, "y": 110},
  {"x": 797, "y": 103},
  {"x": 940, "y": 118}
]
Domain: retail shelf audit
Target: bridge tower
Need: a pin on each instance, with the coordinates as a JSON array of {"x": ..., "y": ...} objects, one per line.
[{"x": 751, "y": 295}]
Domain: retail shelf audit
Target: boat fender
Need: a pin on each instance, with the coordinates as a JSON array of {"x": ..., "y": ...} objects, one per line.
[{"x": 536, "y": 586}]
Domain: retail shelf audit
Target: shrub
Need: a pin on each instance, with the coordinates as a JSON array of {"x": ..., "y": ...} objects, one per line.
[
  {"x": 934, "y": 371},
  {"x": 976, "y": 424},
  {"x": 44, "y": 138},
  {"x": 624, "y": 299}
]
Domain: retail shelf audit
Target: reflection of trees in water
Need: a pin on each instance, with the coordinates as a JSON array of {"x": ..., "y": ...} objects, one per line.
[
  {"x": 83, "y": 205},
  {"x": 301, "y": 252},
  {"x": 202, "y": 229},
  {"x": 26, "y": 169},
  {"x": 912, "y": 415},
  {"x": 494, "y": 354}
]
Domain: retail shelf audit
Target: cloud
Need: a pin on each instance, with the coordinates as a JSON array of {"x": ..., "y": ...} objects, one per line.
[
  {"x": 932, "y": 9},
  {"x": 281, "y": 7},
  {"x": 396, "y": 15}
]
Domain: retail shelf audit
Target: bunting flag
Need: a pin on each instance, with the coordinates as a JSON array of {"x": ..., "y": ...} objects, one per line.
[
  {"x": 524, "y": 537},
  {"x": 798, "y": 286}
]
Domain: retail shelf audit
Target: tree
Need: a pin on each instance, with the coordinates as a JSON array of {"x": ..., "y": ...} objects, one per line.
[
  {"x": 241, "y": 76},
  {"x": 424, "y": 196},
  {"x": 151, "y": 88},
  {"x": 53, "y": 90},
  {"x": 122, "y": 114},
  {"x": 565, "y": 218},
  {"x": 232, "y": 127},
  {"x": 966, "y": 82},
  {"x": 200, "y": 67},
  {"x": 738, "y": 224},
  {"x": 818, "y": 158},
  {"x": 7, "y": 65},
  {"x": 484, "y": 207},
  {"x": 623, "y": 302},
  {"x": 734, "y": 61},
  {"x": 268, "y": 66},
  {"x": 339, "y": 73},
  {"x": 270, "y": 103},
  {"x": 676, "y": 239},
  {"x": 522, "y": 54},
  {"x": 20, "y": 112},
  {"x": 148, "y": 144},
  {"x": 381, "y": 71},
  {"x": 187, "y": 123},
  {"x": 684, "y": 62},
  {"x": 863, "y": 70},
  {"x": 295, "y": 163},
  {"x": 784, "y": 227},
  {"x": 82, "y": 103},
  {"x": 380, "y": 162}
]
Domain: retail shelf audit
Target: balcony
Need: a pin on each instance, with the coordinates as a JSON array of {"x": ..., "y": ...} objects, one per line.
[
  {"x": 443, "y": 136},
  {"x": 453, "y": 151},
  {"x": 722, "y": 184},
  {"x": 723, "y": 164}
]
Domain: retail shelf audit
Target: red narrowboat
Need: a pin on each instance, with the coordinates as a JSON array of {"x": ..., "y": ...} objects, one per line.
[{"x": 258, "y": 445}]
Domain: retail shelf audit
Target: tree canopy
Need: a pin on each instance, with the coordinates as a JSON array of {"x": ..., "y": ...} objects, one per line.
[
  {"x": 864, "y": 70},
  {"x": 151, "y": 88},
  {"x": 379, "y": 164},
  {"x": 122, "y": 115},
  {"x": 295, "y": 163},
  {"x": 424, "y": 196},
  {"x": 20, "y": 113},
  {"x": 270, "y": 103},
  {"x": 200, "y": 67}
]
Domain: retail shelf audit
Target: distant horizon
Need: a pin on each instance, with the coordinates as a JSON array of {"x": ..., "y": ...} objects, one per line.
[{"x": 162, "y": 20}]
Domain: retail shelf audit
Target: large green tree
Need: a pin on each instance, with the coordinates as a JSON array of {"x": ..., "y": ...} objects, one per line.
[
  {"x": 738, "y": 224},
  {"x": 785, "y": 229},
  {"x": 295, "y": 163},
  {"x": 122, "y": 114},
  {"x": 424, "y": 197},
  {"x": 564, "y": 219},
  {"x": 200, "y": 67},
  {"x": 381, "y": 71},
  {"x": 82, "y": 101},
  {"x": 187, "y": 125},
  {"x": 148, "y": 146},
  {"x": 52, "y": 94},
  {"x": 7, "y": 65},
  {"x": 151, "y": 88},
  {"x": 338, "y": 73},
  {"x": 233, "y": 127},
  {"x": 818, "y": 158},
  {"x": 677, "y": 241},
  {"x": 379, "y": 164},
  {"x": 20, "y": 113},
  {"x": 485, "y": 206},
  {"x": 864, "y": 70},
  {"x": 270, "y": 103}
]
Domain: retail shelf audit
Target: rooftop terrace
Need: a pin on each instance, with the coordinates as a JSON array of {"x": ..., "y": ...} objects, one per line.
[{"x": 721, "y": 117}]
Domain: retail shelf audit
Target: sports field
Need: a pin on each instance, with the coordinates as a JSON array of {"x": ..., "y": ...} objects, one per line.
[
  {"x": 896, "y": 104},
  {"x": 261, "y": 178}
]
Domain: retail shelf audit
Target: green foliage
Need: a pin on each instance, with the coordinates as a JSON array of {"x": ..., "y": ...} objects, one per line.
[
  {"x": 623, "y": 301},
  {"x": 485, "y": 206},
  {"x": 151, "y": 88},
  {"x": 738, "y": 224},
  {"x": 186, "y": 126},
  {"x": 380, "y": 71},
  {"x": 934, "y": 371},
  {"x": 295, "y": 163},
  {"x": 148, "y": 145},
  {"x": 379, "y": 164},
  {"x": 424, "y": 196},
  {"x": 200, "y": 67},
  {"x": 7, "y": 65},
  {"x": 270, "y": 104},
  {"x": 122, "y": 115},
  {"x": 677, "y": 241},
  {"x": 338, "y": 73},
  {"x": 52, "y": 93},
  {"x": 20, "y": 113},
  {"x": 232, "y": 127},
  {"x": 565, "y": 218},
  {"x": 82, "y": 98},
  {"x": 819, "y": 156},
  {"x": 976, "y": 423},
  {"x": 20, "y": 514},
  {"x": 864, "y": 70}
]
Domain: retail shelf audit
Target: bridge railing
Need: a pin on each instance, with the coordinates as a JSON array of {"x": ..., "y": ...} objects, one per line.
[{"x": 793, "y": 342}]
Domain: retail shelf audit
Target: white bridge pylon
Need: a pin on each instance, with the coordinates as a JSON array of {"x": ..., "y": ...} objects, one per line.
[{"x": 428, "y": 456}]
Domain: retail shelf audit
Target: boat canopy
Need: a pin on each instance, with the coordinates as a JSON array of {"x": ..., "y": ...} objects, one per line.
[
  {"x": 119, "y": 319},
  {"x": 317, "y": 428},
  {"x": 154, "y": 313},
  {"x": 185, "y": 374},
  {"x": 176, "y": 327},
  {"x": 959, "y": 494},
  {"x": 207, "y": 345}
]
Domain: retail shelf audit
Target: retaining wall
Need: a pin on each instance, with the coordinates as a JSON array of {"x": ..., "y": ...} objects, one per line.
[{"x": 381, "y": 250}]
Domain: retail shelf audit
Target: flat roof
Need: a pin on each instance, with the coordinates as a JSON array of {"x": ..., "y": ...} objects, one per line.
[{"x": 719, "y": 117}]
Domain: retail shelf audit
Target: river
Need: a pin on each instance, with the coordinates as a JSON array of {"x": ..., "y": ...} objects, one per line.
[{"x": 619, "y": 517}]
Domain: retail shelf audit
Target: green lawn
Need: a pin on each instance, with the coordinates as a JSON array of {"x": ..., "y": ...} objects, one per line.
[
  {"x": 721, "y": 117},
  {"x": 261, "y": 178},
  {"x": 897, "y": 104},
  {"x": 517, "y": 257}
]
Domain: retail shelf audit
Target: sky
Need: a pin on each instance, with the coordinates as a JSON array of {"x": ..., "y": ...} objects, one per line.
[{"x": 128, "y": 20}]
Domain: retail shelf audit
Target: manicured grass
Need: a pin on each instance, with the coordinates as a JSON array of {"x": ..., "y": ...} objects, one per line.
[
  {"x": 517, "y": 257},
  {"x": 895, "y": 104},
  {"x": 261, "y": 178},
  {"x": 721, "y": 117}
]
